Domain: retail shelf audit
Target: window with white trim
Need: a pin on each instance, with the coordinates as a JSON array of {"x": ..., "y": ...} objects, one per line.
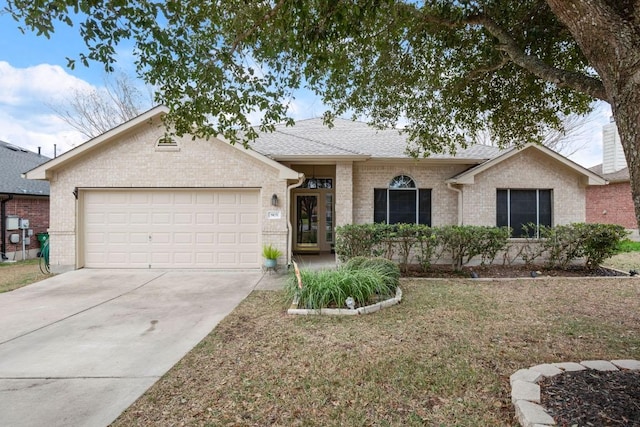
[
  {"x": 402, "y": 202},
  {"x": 517, "y": 208}
]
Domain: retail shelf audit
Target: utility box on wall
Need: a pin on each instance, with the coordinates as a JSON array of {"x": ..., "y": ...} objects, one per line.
[{"x": 12, "y": 223}]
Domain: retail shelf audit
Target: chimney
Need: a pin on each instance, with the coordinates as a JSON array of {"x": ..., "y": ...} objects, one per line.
[{"x": 613, "y": 158}]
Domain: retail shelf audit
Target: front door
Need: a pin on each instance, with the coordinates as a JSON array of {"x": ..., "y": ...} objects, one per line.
[{"x": 313, "y": 221}]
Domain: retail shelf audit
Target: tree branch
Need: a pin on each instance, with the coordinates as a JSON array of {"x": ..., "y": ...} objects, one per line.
[
  {"x": 241, "y": 37},
  {"x": 561, "y": 78}
]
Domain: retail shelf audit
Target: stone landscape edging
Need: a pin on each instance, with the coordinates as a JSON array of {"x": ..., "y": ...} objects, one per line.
[
  {"x": 368, "y": 309},
  {"x": 525, "y": 391}
]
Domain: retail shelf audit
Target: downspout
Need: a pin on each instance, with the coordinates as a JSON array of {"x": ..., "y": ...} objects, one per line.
[
  {"x": 460, "y": 202},
  {"x": 288, "y": 216},
  {"x": 3, "y": 227}
]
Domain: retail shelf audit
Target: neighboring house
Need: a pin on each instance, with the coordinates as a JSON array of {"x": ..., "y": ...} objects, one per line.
[
  {"x": 612, "y": 203},
  {"x": 21, "y": 198},
  {"x": 129, "y": 199}
]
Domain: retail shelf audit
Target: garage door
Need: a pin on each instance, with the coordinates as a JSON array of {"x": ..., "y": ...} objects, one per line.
[{"x": 172, "y": 229}]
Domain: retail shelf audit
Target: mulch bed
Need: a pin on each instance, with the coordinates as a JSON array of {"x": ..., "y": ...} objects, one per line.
[
  {"x": 508, "y": 271},
  {"x": 593, "y": 398}
]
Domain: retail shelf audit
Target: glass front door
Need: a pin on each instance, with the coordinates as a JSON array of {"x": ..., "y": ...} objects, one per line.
[
  {"x": 314, "y": 227},
  {"x": 307, "y": 221}
]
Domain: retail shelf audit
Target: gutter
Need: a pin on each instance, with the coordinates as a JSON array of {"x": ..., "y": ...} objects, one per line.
[
  {"x": 460, "y": 202},
  {"x": 3, "y": 226},
  {"x": 301, "y": 178}
]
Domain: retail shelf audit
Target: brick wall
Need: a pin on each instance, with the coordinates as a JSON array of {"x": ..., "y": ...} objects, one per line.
[
  {"x": 377, "y": 174},
  {"x": 611, "y": 204},
  {"x": 528, "y": 169},
  {"x": 133, "y": 160},
  {"x": 36, "y": 210}
]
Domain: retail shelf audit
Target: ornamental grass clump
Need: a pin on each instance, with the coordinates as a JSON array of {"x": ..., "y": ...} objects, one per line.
[
  {"x": 366, "y": 284},
  {"x": 388, "y": 271}
]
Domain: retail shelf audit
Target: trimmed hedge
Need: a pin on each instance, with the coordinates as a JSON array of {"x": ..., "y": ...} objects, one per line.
[{"x": 407, "y": 243}]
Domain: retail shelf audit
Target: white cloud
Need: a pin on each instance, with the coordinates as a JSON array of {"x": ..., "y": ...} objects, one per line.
[{"x": 25, "y": 120}]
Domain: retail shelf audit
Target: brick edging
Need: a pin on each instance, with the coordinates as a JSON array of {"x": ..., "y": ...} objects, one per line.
[{"x": 525, "y": 391}]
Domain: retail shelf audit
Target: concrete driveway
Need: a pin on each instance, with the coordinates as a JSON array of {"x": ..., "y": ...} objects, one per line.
[{"x": 79, "y": 348}]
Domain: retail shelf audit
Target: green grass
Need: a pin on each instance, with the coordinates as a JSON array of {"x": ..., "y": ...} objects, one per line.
[{"x": 628, "y": 246}]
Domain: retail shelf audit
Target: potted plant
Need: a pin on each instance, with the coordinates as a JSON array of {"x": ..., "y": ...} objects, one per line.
[{"x": 270, "y": 254}]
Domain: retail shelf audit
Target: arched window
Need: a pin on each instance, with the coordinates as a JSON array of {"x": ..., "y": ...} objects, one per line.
[
  {"x": 402, "y": 181},
  {"x": 402, "y": 202}
]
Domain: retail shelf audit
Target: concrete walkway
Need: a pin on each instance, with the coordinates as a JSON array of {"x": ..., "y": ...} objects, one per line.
[{"x": 77, "y": 349}]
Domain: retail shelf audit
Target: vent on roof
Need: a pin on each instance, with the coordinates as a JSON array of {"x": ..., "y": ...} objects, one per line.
[{"x": 14, "y": 147}]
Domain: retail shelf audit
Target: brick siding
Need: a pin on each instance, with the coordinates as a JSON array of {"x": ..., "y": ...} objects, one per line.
[
  {"x": 611, "y": 204},
  {"x": 133, "y": 161},
  {"x": 36, "y": 210},
  {"x": 528, "y": 169}
]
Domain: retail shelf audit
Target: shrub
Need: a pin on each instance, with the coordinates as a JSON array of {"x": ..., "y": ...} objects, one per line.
[
  {"x": 601, "y": 242},
  {"x": 354, "y": 240},
  {"x": 593, "y": 242},
  {"x": 426, "y": 244},
  {"x": 462, "y": 243}
]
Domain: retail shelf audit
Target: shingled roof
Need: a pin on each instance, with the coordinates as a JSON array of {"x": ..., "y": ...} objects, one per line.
[
  {"x": 14, "y": 161},
  {"x": 618, "y": 176},
  {"x": 311, "y": 138}
]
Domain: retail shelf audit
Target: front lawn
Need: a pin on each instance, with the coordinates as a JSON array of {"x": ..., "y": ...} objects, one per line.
[
  {"x": 442, "y": 357},
  {"x": 14, "y": 275}
]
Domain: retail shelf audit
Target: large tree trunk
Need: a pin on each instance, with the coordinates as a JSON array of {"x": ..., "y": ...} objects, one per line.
[{"x": 608, "y": 32}]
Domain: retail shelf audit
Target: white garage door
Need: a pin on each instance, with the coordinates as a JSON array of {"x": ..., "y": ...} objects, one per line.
[{"x": 172, "y": 229}]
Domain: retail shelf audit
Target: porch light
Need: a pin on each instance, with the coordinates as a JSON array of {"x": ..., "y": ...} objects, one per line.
[{"x": 274, "y": 200}]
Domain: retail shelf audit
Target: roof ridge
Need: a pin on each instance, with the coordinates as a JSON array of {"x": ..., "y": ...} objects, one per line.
[{"x": 322, "y": 143}]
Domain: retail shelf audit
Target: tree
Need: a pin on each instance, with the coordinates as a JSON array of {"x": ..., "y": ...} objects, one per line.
[
  {"x": 95, "y": 111},
  {"x": 446, "y": 67}
]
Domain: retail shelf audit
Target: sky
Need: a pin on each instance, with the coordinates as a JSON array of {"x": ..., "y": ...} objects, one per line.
[{"x": 34, "y": 74}]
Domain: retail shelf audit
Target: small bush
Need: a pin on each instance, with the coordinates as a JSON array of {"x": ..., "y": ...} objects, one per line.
[
  {"x": 462, "y": 243},
  {"x": 601, "y": 242},
  {"x": 593, "y": 242},
  {"x": 354, "y": 240},
  {"x": 426, "y": 246}
]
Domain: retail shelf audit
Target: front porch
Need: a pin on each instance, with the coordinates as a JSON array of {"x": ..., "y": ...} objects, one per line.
[{"x": 317, "y": 261}]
